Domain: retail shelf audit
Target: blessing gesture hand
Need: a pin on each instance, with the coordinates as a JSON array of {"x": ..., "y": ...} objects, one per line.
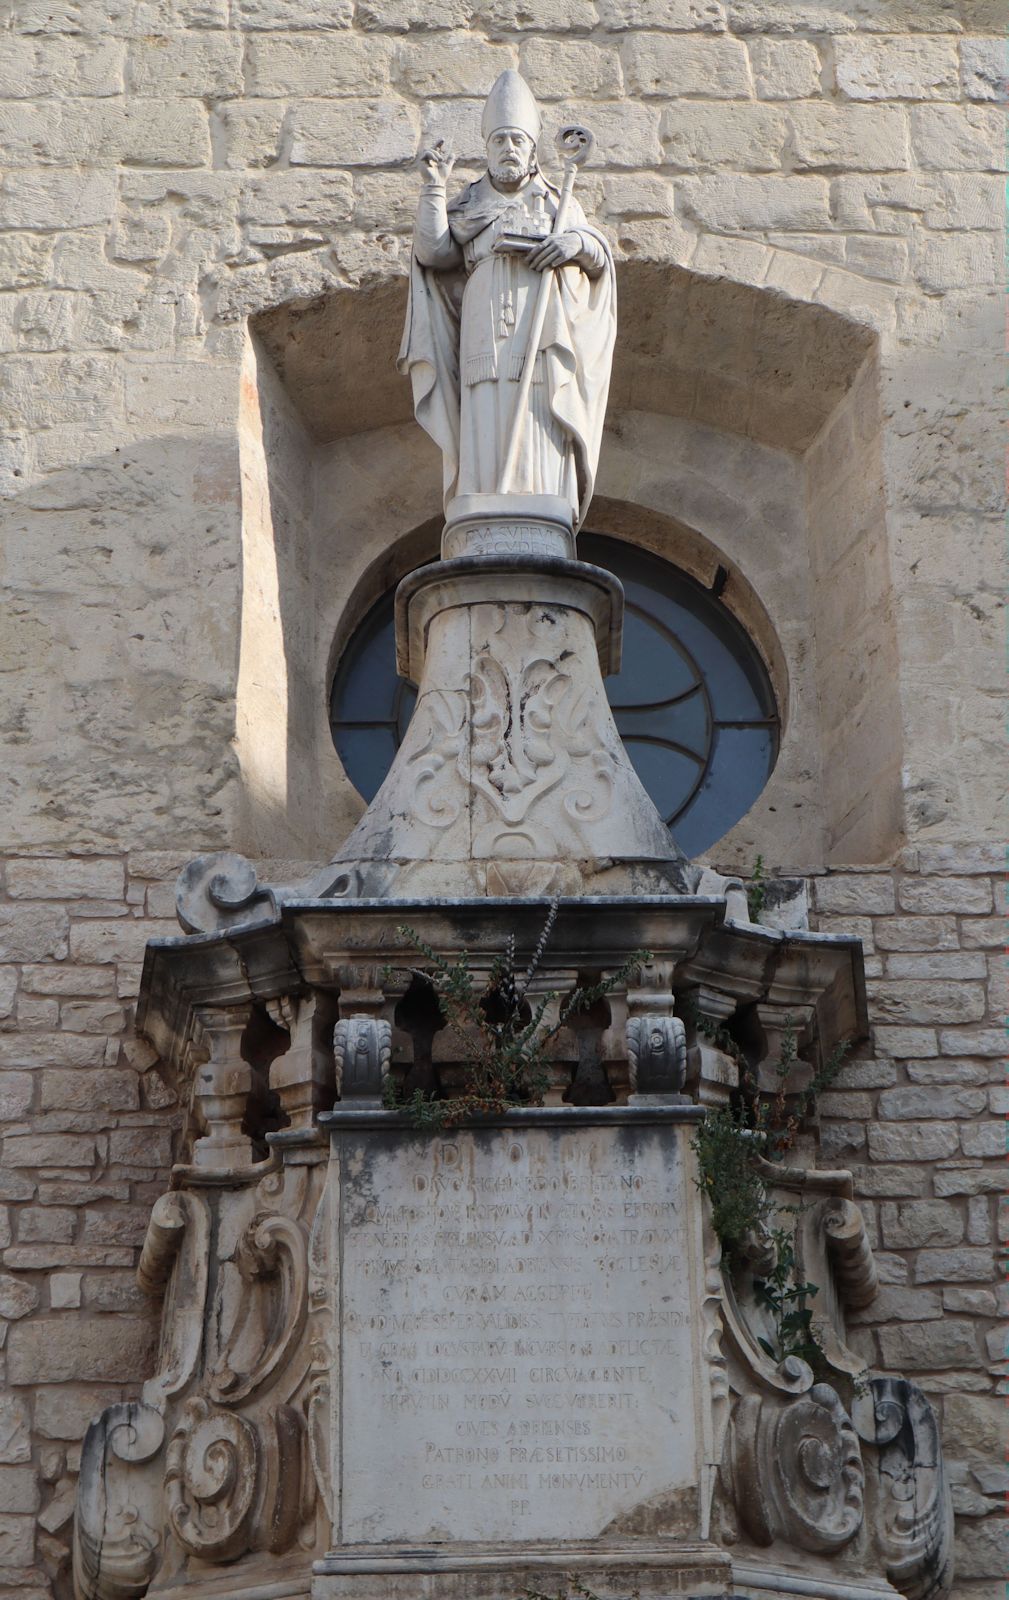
[{"x": 436, "y": 164}]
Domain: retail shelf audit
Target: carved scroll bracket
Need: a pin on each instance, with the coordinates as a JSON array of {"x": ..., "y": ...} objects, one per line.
[{"x": 796, "y": 1470}]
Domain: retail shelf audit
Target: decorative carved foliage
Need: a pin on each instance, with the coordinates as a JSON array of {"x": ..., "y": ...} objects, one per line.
[
  {"x": 797, "y": 1470},
  {"x": 117, "y": 1531},
  {"x": 657, "y": 1054},
  {"x": 363, "y": 1050},
  {"x": 526, "y": 726},
  {"x": 914, "y": 1515},
  {"x": 211, "y": 1468}
]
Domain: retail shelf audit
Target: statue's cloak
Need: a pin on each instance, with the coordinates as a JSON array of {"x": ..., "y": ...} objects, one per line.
[{"x": 577, "y": 340}]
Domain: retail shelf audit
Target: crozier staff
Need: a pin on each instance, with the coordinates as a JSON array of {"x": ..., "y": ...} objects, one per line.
[{"x": 474, "y": 283}]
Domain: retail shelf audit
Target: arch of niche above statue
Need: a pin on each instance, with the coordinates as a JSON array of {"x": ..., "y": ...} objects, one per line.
[{"x": 742, "y": 435}]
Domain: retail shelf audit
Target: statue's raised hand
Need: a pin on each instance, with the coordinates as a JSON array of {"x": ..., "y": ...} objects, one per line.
[
  {"x": 555, "y": 251},
  {"x": 436, "y": 164}
]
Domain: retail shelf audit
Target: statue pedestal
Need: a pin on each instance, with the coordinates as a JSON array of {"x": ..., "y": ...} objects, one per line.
[{"x": 512, "y": 778}]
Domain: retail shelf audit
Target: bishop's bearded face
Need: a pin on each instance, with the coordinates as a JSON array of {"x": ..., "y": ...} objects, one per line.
[{"x": 511, "y": 155}]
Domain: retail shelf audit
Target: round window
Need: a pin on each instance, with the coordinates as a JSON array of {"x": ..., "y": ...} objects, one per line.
[{"x": 693, "y": 701}]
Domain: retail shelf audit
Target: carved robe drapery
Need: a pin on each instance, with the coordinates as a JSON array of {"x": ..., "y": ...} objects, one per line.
[{"x": 467, "y": 332}]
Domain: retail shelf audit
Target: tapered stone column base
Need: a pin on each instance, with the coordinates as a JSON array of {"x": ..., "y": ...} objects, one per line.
[{"x": 512, "y": 778}]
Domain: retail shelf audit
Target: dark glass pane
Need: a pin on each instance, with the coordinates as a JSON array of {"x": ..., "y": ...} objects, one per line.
[
  {"x": 685, "y": 724},
  {"x": 653, "y": 667},
  {"x": 364, "y": 689},
  {"x": 681, "y": 645},
  {"x": 741, "y": 763},
  {"x": 405, "y": 702},
  {"x": 668, "y": 775},
  {"x": 367, "y": 756}
]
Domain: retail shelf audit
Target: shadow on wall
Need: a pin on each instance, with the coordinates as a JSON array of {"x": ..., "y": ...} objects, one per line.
[
  {"x": 119, "y": 648},
  {"x": 341, "y": 496}
]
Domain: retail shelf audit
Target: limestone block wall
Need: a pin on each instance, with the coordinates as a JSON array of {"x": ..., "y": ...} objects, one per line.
[{"x": 170, "y": 171}]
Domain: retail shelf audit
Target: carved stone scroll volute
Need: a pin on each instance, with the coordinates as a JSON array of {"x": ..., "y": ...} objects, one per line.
[
  {"x": 796, "y": 1470},
  {"x": 272, "y": 1260},
  {"x": 211, "y": 1470},
  {"x": 117, "y": 1531},
  {"x": 913, "y": 1519}
]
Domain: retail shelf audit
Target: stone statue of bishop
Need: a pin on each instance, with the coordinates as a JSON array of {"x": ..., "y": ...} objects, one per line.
[{"x": 477, "y": 270}]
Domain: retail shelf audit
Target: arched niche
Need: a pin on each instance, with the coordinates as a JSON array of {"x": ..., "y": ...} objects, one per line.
[{"x": 742, "y": 443}]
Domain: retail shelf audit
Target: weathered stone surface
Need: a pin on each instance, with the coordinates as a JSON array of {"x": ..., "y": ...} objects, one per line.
[
  {"x": 116, "y": 941},
  {"x": 19, "y": 1490},
  {"x": 985, "y": 1139},
  {"x": 984, "y": 70},
  {"x": 918, "y": 933},
  {"x": 980, "y": 1549},
  {"x": 899, "y": 1304},
  {"x": 946, "y": 894},
  {"x": 969, "y": 1180},
  {"x": 975, "y": 1302},
  {"x": 877, "y": 1182},
  {"x": 78, "y": 982},
  {"x": 58, "y": 879},
  {"x": 904, "y": 1042},
  {"x": 963, "y": 1265},
  {"x": 872, "y": 139},
  {"x": 957, "y": 139},
  {"x": 974, "y": 1422},
  {"x": 63, "y": 1410},
  {"x": 45, "y": 1225},
  {"x": 942, "y": 965},
  {"x": 90, "y": 1016},
  {"x": 32, "y": 933},
  {"x": 82, "y": 1091},
  {"x": 673, "y": 67},
  {"x": 748, "y": 137},
  {"x": 16, "y": 1090},
  {"x": 879, "y": 1074},
  {"x": 353, "y": 133},
  {"x": 15, "y": 1430},
  {"x": 924, "y": 1346},
  {"x": 970, "y": 1073},
  {"x": 910, "y": 1001},
  {"x": 912, "y": 1141},
  {"x": 971, "y": 1042},
  {"x": 17, "y": 1551},
  {"x": 48, "y": 1150},
  {"x": 72, "y": 1349},
  {"x": 924, "y": 1222},
  {"x": 898, "y": 1105},
  {"x": 65, "y": 1291},
  {"x": 141, "y": 1147},
  {"x": 785, "y": 69},
  {"x": 852, "y": 894},
  {"x": 897, "y": 69},
  {"x": 17, "y": 1299},
  {"x": 725, "y": 203}
]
